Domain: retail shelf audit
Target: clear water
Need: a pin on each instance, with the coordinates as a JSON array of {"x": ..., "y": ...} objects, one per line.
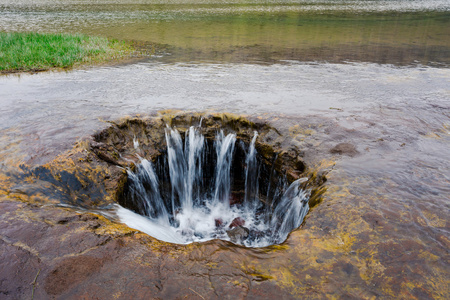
[{"x": 397, "y": 31}]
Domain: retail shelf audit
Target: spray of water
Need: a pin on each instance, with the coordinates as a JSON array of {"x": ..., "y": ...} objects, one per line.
[{"x": 195, "y": 212}]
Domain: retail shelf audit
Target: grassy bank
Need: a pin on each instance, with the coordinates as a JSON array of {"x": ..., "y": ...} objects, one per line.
[{"x": 38, "y": 52}]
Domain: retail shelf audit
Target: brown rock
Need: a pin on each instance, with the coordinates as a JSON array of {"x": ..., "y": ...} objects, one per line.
[
  {"x": 218, "y": 222},
  {"x": 344, "y": 149},
  {"x": 238, "y": 234},
  {"x": 70, "y": 272},
  {"x": 237, "y": 222}
]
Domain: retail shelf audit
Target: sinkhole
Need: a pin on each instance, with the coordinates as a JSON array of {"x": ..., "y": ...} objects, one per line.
[{"x": 214, "y": 183}]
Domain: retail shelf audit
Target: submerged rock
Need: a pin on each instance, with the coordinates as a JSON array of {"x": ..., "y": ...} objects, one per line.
[
  {"x": 67, "y": 253},
  {"x": 218, "y": 222},
  {"x": 344, "y": 149},
  {"x": 51, "y": 242},
  {"x": 237, "y": 222},
  {"x": 238, "y": 234}
]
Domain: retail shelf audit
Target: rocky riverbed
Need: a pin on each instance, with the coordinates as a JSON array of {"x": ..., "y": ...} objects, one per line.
[{"x": 371, "y": 235}]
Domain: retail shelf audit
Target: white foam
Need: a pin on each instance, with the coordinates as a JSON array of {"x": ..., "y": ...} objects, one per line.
[{"x": 148, "y": 226}]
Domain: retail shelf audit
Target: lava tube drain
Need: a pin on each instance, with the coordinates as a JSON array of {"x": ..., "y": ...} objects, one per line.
[{"x": 203, "y": 188}]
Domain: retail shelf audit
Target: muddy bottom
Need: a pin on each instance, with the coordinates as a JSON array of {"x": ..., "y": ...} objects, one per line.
[{"x": 380, "y": 132}]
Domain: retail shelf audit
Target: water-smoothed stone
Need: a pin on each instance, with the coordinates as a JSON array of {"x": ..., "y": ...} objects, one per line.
[
  {"x": 70, "y": 272},
  {"x": 354, "y": 245},
  {"x": 344, "y": 149},
  {"x": 237, "y": 222},
  {"x": 219, "y": 222},
  {"x": 238, "y": 234}
]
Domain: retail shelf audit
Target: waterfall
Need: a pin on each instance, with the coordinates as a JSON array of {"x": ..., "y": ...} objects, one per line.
[
  {"x": 224, "y": 149},
  {"x": 251, "y": 175},
  {"x": 177, "y": 168},
  {"x": 195, "y": 211},
  {"x": 145, "y": 192},
  {"x": 290, "y": 211},
  {"x": 193, "y": 150}
]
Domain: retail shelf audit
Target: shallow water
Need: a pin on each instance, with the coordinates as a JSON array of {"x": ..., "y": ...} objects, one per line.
[
  {"x": 386, "y": 209},
  {"x": 53, "y": 109},
  {"x": 398, "y": 32},
  {"x": 397, "y": 117}
]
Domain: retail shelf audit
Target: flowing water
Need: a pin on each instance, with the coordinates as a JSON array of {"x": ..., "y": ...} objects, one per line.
[
  {"x": 196, "y": 210},
  {"x": 371, "y": 73}
]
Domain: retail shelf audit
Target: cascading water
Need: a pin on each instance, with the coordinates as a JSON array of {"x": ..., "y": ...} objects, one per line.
[{"x": 199, "y": 201}]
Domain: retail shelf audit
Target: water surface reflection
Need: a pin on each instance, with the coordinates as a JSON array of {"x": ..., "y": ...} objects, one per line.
[{"x": 396, "y": 32}]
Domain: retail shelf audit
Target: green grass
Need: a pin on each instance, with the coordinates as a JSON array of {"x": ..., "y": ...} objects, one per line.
[{"x": 38, "y": 52}]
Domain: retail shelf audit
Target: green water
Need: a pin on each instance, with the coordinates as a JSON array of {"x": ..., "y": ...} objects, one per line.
[{"x": 395, "y": 32}]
